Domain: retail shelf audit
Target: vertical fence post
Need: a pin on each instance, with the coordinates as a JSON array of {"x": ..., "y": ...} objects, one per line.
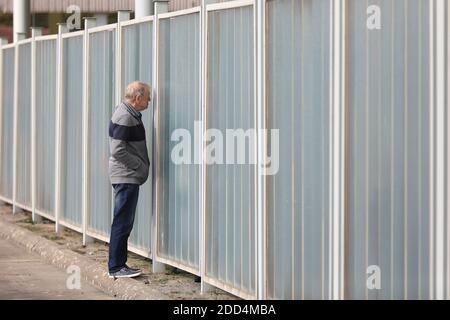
[
  {"x": 204, "y": 287},
  {"x": 337, "y": 148},
  {"x": 20, "y": 36},
  {"x": 447, "y": 124},
  {"x": 122, "y": 16},
  {"x": 62, "y": 28},
  {"x": 259, "y": 13},
  {"x": 437, "y": 153},
  {"x": 142, "y": 8},
  {"x": 343, "y": 225},
  {"x": 431, "y": 231},
  {"x": 88, "y": 23},
  {"x": 440, "y": 148},
  {"x": 3, "y": 41},
  {"x": 160, "y": 7},
  {"x": 34, "y": 33}
]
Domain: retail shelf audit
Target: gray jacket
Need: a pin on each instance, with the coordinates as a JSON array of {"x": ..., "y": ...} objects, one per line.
[{"x": 129, "y": 162}]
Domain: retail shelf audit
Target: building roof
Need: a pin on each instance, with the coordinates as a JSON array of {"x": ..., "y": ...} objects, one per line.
[
  {"x": 101, "y": 6},
  {"x": 45, "y": 6}
]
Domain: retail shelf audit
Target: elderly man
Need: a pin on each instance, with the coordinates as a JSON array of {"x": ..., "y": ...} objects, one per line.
[{"x": 128, "y": 169}]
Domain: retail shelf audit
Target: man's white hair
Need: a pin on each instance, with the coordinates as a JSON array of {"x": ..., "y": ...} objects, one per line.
[{"x": 135, "y": 89}]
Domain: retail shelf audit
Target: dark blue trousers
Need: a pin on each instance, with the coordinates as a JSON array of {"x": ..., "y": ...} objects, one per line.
[{"x": 125, "y": 202}]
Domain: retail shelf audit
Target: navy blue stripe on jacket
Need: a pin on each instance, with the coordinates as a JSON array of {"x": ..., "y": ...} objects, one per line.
[{"x": 126, "y": 133}]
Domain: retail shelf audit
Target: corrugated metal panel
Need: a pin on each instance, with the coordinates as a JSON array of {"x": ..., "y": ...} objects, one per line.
[
  {"x": 23, "y": 174},
  {"x": 137, "y": 65},
  {"x": 179, "y": 110},
  {"x": 71, "y": 145},
  {"x": 298, "y": 105},
  {"x": 230, "y": 189},
  {"x": 389, "y": 205},
  {"x": 7, "y": 134},
  {"x": 45, "y": 125},
  {"x": 175, "y": 5},
  {"x": 101, "y": 104}
]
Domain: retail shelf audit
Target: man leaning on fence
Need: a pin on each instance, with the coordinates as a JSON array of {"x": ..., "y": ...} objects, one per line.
[{"x": 128, "y": 169}]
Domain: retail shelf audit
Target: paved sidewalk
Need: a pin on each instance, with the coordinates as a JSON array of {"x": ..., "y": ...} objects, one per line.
[
  {"x": 24, "y": 275},
  {"x": 65, "y": 249}
]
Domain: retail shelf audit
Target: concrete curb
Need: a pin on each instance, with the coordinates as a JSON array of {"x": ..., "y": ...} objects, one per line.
[{"x": 91, "y": 271}]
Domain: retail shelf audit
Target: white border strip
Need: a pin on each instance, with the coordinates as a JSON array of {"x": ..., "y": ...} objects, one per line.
[
  {"x": 179, "y": 264},
  {"x": 16, "y": 84},
  {"x": 431, "y": 227},
  {"x": 89, "y": 23},
  {"x": 157, "y": 266},
  {"x": 46, "y": 37},
  {"x": 228, "y": 288},
  {"x": 440, "y": 149},
  {"x": 229, "y": 5},
  {"x": 33, "y": 163},
  {"x": 337, "y": 150},
  {"x": 45, "y": 215},
  {"x": 203, "y": 102},
  {"x": 72, "y": 34},
  {"x": 97, "y": 235},
  {"x": 24, "y": 41},
  {"x": 179, "y": 13},
  {"x": 259, "y": 18},
  {"x": 448, "y": 150},
  {"x": 108, "y": 27},
  {"x": 24, "y": 207},
  {"x": 8, "y": 46},
  {"x": 58, "y": 124},
  {"x": 71, "y": 226},
  {"x": 146, "y": 253},
  {"x": 137, "y": 21},
  {"x": 4, "y": 199}
]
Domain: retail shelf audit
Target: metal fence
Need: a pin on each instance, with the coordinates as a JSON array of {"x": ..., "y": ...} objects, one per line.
[
  {"x": 22, "y": 179},
  {"x": 45, "y": 124},
  {"x": 101, "y": 99},
  {"x": 7, "y": 122},
  {"x": 179, "y": 98},
  {"x": 230, "y": 197},
  {"x": 137, "y": 63},
  {"x": 389, "y": 147},
  {"x": 298, "y": 102},
  {"x": 355, "y": 97},
  {"x": 70, "y": 173}
]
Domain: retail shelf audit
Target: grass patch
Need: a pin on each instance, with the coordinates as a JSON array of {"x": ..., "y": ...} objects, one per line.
[
  {"x": 26, "y": 220},
  {"x": 52, "y": 237}
]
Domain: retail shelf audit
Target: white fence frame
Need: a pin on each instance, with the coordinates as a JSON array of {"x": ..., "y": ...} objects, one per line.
[
  {"x": 16, "y": 204},
  {"x": 35, "y": 211},
  {"x": 6, "y": 46},
  {"x": 145, "y": 252},
  {"x": 205, "y": 277},
  {"x": 158, "y": 257},
  {"x": 58, "y": 219},
  {"x": 439, "y": 232},
  {"x": 86, "y": 131}
]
